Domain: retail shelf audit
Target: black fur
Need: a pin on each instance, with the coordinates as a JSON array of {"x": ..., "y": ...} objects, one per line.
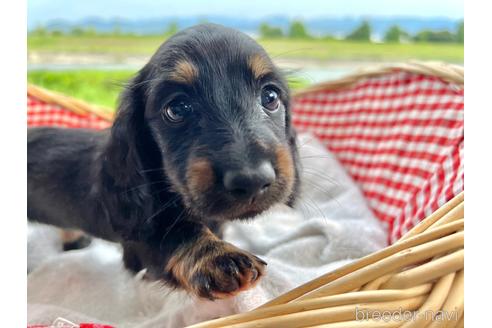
[{"x": 129, "y": 184}]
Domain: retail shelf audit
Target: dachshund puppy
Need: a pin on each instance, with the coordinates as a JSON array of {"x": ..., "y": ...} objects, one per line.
[{"x": 202, "y": 135}]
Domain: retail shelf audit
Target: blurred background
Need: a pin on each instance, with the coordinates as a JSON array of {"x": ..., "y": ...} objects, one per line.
[{"x": 88, "y": 49}]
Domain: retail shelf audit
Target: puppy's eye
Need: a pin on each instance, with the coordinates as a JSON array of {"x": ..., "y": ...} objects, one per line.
[
  {"x": 178, "y": 110},
  {"x": 270, "y": 99}
]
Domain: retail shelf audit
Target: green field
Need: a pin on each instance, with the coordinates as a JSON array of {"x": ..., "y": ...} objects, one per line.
[
  {"x": 103, "y": 86},
  {"x": 313, "y": 49}
]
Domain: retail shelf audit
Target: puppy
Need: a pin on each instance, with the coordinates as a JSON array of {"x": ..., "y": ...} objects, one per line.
[{"x": 202, "y": 135}]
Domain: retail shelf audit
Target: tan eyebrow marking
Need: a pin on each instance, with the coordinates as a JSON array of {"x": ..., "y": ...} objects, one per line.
[
  {"x": 184, "y": 72},
  {"x": 259, "y": 65}
]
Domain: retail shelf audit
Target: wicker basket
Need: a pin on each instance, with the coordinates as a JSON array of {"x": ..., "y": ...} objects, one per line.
[
  {"x": 418, "y": 280},
  {"x": 75, "y": 105},
  {"x": 417, "y": 277}
]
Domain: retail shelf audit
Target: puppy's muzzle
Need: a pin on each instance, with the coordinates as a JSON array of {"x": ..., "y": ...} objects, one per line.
[{"x": 249, "y": 183}]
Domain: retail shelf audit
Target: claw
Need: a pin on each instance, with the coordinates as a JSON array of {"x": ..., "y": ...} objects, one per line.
[
  {"x": 260, "y": 260},
  {"x": 254, "y": 274}
]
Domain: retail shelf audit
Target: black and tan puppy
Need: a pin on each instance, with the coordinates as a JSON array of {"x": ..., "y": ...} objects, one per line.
[{"x": 202, "y": 135}]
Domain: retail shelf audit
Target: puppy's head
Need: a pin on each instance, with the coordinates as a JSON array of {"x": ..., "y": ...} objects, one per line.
[{"x": 218, "y": 111}]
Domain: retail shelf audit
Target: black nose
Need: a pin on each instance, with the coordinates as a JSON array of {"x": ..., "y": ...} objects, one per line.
[{"x": 247, "y": 183}]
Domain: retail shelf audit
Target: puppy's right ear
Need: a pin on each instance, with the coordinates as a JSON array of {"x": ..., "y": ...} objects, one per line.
[
  {"x": 122, "y": 158},
  {"x": 127, "y": 155}
]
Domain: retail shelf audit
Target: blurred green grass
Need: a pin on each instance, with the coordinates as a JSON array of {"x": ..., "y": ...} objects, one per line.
[
  {"x": 348, "y": 50},
  {"x": 313, "y": 49},
  {"x": 96, "y": 86},
  {"x": 98, "y": 44}
]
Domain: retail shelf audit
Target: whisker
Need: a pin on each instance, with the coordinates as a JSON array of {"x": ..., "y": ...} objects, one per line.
[
  {"x": 172, "y": 226},
  {"x": 152, "y": 170},
  {"x": 307, "y": 201},
  {"x": 162, "y": 208},
  {"x": 315, "y": 156},
  {"x": 323, "y": 190},
  {"x": 277, "y": 56},
  {"x": 308, "y": 140},
  {"x": 324, "y": 177},
  {"x": 143, "y": 185},
  {"x": 318, "y": 187},
  {"x": 143, "y": 82}
]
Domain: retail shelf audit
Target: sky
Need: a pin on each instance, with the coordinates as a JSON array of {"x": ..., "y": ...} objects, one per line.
[{"x": 40, "y": 11}]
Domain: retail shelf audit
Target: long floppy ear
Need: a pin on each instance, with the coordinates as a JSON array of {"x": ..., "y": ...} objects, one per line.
[
  {"x": 129, "y": 153},
  {"x": 122, "y": 158},
  {"x": 129, "y": 132}
]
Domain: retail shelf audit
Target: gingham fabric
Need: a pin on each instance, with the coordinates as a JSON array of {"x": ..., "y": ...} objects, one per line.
[
  {"x": 40, "y": 113},
  {"x": 70, "y": 325},
  {"x": 400, "y": 137}
]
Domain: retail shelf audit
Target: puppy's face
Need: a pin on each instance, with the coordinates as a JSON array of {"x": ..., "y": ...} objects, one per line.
[{"x": 218, "y": 110}]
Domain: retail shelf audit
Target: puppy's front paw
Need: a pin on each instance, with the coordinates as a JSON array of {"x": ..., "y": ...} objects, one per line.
[
  {"x": 225, "y": 275},
  {"x": 219, "y": 270}
]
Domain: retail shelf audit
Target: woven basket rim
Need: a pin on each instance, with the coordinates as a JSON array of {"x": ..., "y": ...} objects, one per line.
[
  {"x": 73, "y": 104},
  {"x": 448, "y": 72},
  {"x": 422, "y": 271}
]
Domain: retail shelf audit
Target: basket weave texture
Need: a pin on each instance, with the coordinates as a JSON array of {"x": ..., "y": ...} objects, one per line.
[{"x": 416, "y": 282}]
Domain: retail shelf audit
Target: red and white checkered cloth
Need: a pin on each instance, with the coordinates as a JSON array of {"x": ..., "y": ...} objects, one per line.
[
  {"x": 400, "y": 137},
  {"x": 80, "y": 325},
  {"x": 40, "y": 113}
]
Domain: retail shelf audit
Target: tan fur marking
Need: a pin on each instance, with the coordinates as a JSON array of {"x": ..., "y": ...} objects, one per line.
[
  {"x": 183, "y": 264},
  {"x": 285, "y": 165},
  {"x": 184, "y": 72},
  {"x": 199, "y": 176},
  {"x": 259, "y": 65}
]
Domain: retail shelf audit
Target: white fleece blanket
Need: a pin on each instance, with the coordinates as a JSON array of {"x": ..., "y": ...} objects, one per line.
[{"x": 330, "y": 227}]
